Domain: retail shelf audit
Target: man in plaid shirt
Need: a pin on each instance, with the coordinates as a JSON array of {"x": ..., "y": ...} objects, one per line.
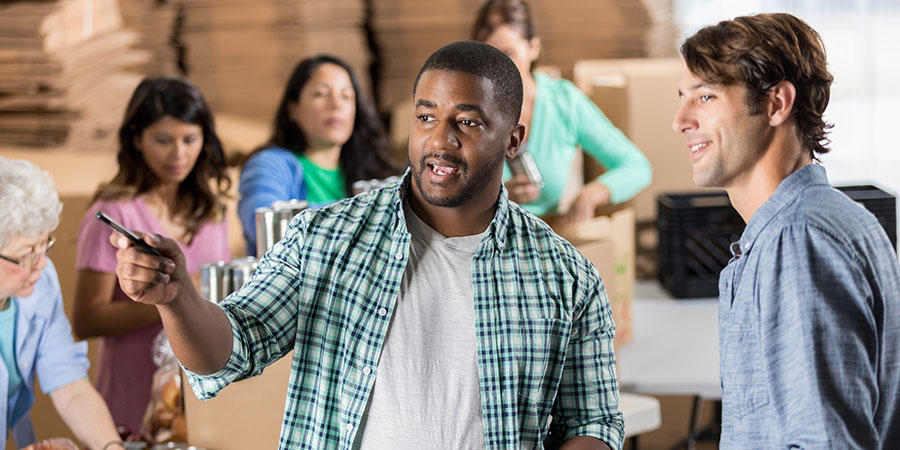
[{"x": 430, "y": 314}]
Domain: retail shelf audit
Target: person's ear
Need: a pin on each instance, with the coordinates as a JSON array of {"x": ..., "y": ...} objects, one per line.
[
  {"x": 515, "y": 141},
  {"x": 781, "y": 102},
  {"x": 534, "y": 48}
]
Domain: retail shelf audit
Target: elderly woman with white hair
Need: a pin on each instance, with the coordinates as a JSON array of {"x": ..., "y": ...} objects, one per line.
[{"x": 35, "y": 336}]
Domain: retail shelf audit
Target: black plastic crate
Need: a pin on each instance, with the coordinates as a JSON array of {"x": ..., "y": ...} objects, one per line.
[{"x": 696, "y": 230}]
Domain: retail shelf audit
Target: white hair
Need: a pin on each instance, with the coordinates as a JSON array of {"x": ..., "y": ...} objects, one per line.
[{"x": 28, "y": 201}]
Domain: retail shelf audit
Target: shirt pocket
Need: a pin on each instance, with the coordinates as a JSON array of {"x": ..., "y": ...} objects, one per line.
[{"x": 744, "y": 388}]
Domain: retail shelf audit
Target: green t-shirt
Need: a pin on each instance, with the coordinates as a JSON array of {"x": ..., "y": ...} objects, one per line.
[{"x": 322, "y": 185}]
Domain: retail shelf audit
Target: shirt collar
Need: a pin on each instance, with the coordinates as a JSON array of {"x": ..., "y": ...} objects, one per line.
[
  {"x": 496, "y": 230},
  {"x": 785, "y": 194}
]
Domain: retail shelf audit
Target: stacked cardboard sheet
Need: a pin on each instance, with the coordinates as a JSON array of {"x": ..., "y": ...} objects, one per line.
[
  {"x": 63, "y": 73},
  {"x": 156, "y": 23},
  {"x": 241, "y": 53},
  {"x": 406, "y": 33}
]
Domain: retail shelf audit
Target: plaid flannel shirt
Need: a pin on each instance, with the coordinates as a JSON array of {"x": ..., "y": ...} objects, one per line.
[{"x": 327, "y": 292}]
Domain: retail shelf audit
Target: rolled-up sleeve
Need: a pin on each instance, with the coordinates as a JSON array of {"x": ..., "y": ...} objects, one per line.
[
  {"x": 263, "y": 316},
  {"x": 587, "y": 402}
]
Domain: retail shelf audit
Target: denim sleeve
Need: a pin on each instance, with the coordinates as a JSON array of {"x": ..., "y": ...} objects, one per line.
[
  {"x": 59, "y": 360},
  {"x": 818, "y": 340},
  {"x": 268, "y": 176}
]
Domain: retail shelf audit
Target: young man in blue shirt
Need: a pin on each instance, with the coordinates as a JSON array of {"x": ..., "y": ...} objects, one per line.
[{"x": 809, "y": 309}]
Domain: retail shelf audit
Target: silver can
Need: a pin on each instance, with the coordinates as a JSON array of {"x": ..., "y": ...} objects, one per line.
[
  {"x": 239, "y": 272},
  {"x": 212, "y": 281},
  {"x": 272, "y": 222},
  {"x": 266, "y": 229},
  {"x": 523, "y": 164}
]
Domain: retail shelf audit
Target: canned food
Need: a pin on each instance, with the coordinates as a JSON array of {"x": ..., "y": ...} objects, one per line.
[
  {"x": 272, "y": 222},
  {"x": 523, "y": 164},
  {"x": 370, "y": 185},
  {"x": 219, "y": 280},
  {"x": 212, "y": 281}
]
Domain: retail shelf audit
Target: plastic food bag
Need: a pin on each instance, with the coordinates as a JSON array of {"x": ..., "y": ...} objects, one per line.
[
  {"x": 164, "y": 420},
  {"x": 53, "y": 444}
]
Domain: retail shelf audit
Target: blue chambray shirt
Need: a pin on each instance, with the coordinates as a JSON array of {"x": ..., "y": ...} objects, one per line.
[
  {"x": 44, "y": 346},
  {"x": 809, "y": 325},
  {"x": 327, "y": 291}
]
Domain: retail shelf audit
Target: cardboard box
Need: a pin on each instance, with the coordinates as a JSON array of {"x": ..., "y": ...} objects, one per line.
[
  {"x": 640, "y": 96},
  {"x": 246, "y": 414},
  {"x": 608, "y": 242}
]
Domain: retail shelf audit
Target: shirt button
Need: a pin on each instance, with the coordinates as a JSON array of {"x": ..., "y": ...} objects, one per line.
[
  {"x": 367, "y": 370},
  {"x": 398, "y": 256},
  {"x": 349, "y": 427},
  {"x": 382, "y": 311}
]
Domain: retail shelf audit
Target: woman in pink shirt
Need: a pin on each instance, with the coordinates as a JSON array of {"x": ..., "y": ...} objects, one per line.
[{"x": 170, "y": 180}]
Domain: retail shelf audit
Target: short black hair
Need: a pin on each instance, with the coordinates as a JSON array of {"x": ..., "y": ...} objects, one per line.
[{"x": 483, "y": 61}]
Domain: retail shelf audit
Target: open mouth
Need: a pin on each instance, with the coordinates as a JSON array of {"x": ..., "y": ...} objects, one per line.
[{"x": 442, "y": 170}]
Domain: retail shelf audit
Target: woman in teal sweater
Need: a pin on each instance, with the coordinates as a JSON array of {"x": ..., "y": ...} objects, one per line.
[{"x": 559, "y": 118}]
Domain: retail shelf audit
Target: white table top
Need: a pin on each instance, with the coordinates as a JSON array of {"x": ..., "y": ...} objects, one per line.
[
  {"x": 641, "y": 413},
  {"x": 675, "y": 350}
]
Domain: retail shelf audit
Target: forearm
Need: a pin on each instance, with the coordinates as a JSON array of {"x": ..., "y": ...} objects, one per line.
[
  {"x": 626, "y": 181},
  {"x": 85, "y": 413},
  {"x": 199, "y": 332},
  {"x": 584, "y": 443},
  {"x": 114, "y": 319}
]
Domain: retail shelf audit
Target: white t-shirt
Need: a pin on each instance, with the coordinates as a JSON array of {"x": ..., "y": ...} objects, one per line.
[{"x": 426, "y": 392}]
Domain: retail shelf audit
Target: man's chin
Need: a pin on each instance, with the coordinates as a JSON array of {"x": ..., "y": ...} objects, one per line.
[{"x": 443, "y": 201}]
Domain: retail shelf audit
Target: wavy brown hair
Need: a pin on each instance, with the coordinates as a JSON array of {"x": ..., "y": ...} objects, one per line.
[
  {"x": 199, "y": 195},
  {"x": 760, "y": 51}
]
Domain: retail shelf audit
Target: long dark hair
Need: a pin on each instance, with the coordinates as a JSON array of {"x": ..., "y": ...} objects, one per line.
[
  {"x": 364, "y": 155},
  {"x": 154, "y": 98},
  {"x": 494, "y": 13}
]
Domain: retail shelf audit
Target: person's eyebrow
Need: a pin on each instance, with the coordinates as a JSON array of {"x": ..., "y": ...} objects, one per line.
[
  {"x": 425, "y": 103},
  {"x": 470, "y": 107},
  {"x": 694, "y": 87}
]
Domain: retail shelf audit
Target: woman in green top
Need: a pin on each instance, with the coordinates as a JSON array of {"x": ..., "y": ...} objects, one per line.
[
  {"x": 559, "y": 118},
  {"x": 326, "y": 136}
]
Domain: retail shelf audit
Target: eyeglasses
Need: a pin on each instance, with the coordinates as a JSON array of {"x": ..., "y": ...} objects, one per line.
[{"x": 28, "y": 261}]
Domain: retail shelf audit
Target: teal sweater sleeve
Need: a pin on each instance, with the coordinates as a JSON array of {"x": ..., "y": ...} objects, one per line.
[
  {"x": 563, "y": 119},
  {"x": 627, "y": 169}
]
